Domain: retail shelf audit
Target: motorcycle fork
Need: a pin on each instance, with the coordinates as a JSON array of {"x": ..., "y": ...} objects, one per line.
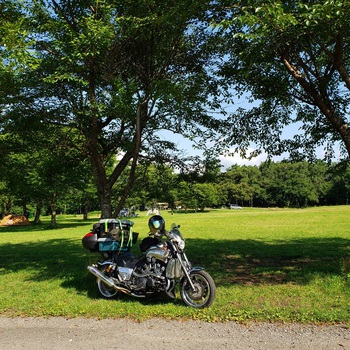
[{"x": 184, "y": 269}]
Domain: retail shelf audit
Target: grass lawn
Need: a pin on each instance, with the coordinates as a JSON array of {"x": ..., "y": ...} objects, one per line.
[{"x": 288, "y": 265}]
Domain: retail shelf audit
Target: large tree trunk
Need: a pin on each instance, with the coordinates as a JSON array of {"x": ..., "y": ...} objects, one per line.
[
  {"x": 140, "y": 115},
  {"x": 97, "y": 157},
  {"x": 25, "y": 209},
  {"x": 8, "y": 206},
  {"x": 105, "y": 197},
  {"x": 37, "y": 212},
  {"x": 53, "y": 202},
  {"x": 104, "y": 184},
  {"x": 85, "y": 209}
]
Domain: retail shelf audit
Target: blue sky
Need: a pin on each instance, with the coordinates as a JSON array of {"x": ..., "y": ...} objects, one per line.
[{"x": 227, "y": 161}]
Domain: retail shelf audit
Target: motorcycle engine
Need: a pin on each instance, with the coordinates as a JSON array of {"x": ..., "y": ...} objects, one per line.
[{"x": 148, "y": 276}]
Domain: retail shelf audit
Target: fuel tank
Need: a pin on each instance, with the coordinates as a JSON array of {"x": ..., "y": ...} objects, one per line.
[{"x": 159, "y": 252}]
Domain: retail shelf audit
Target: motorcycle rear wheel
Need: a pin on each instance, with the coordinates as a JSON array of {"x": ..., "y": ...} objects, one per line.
[
  {"x": 105, "y": 291},
  {"x": 204, "y": 293}
]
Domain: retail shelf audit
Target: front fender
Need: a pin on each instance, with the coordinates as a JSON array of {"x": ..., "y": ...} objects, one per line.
[{"x": 196, "y": 268}]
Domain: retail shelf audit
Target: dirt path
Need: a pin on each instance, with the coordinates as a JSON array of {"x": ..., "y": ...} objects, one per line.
[{"x": 156, "y": 334}]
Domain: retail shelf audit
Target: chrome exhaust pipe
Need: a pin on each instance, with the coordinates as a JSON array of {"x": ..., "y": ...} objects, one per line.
[
  {"x": 102, "y": 277},
  {"x": 110, "y": 282}
]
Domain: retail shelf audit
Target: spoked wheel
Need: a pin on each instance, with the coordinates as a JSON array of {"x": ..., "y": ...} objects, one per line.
[
  {"x": 104, "y": 290},
  {"x": 204, "y": 291}
]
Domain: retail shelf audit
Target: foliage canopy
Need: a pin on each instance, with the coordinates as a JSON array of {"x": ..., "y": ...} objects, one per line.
[{"x": 293, "y": 58}]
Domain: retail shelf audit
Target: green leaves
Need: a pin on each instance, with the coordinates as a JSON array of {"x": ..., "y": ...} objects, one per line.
[
  {"x": 114, "y": 72},
  {"x": 288, "y": 56}
]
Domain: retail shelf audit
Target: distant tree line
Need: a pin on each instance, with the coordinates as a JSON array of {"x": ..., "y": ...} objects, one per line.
[
  {"x": 45, "y": 187},
  {"x": 271, "y": 184}
]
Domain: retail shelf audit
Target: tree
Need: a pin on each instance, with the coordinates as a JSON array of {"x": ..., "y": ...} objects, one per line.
[
  {"x": 206, "y": 195},
  {"x": 41, "y": 167},
  {"x": 242, "y": 184},
  {"x": 339, "y": 188},
  {"x": 294, "y": 59},
  {"x": 186, "y": 195},
  {"x": 118, "y": 73},
  {"x": 289, "y": 184},
  {"x": 319, "y": 173},
  {"x": 160, "y": 182}
]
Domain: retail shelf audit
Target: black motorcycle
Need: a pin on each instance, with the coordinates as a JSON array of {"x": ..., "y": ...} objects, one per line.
[{"x": 159, "y": 269}]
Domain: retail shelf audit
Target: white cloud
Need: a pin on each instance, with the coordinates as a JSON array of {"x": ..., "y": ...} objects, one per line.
[
  {"x": 227, "y": 161},
  {"x": 236, "y": 159}
]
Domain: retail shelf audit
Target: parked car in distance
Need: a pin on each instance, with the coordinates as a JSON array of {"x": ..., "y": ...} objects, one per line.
[
  {"x": 124, "y": 212},
  {"x": 235, "y": 206}
]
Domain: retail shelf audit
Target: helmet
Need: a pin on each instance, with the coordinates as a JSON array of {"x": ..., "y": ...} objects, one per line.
[{"x": 156, "y": 223}]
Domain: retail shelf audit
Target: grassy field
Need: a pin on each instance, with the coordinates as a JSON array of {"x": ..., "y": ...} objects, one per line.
[{"x": 286, "y": 265}]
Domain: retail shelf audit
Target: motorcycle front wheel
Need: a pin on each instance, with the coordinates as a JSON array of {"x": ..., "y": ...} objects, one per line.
[
  {"x": 104, "y": 290},
  {"x": 204, "y": 291}
]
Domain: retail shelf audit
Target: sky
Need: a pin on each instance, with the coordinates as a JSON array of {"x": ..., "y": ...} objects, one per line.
[
  {"x": 228, "y": 161},
  {"x": 236, "y": 159}
]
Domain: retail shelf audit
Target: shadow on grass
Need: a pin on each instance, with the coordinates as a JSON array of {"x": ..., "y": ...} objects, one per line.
[
  {"x": 244, "y": 262},
  {"x": 60, "y": 259},
  {"x": 251, "y": 262},
  {"x": 45, "y": 225}
]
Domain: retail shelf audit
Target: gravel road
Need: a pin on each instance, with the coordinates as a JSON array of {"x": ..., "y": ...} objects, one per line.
[{"x": 157, "y": 334}]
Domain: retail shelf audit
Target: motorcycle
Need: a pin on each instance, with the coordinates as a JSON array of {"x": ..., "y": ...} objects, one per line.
[{"x": 162, "y": 265}]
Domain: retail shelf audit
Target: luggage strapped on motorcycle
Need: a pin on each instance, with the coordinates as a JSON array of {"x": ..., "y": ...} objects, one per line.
[
  {"x": 116, "y": 234},
  {"x": 122, "y": 235}
]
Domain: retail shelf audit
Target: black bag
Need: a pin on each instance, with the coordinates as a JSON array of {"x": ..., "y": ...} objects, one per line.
[{"x": 148, "y": 242}]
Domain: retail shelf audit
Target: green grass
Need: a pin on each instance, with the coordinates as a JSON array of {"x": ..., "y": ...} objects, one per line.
[{"x": 286, "y": 265}]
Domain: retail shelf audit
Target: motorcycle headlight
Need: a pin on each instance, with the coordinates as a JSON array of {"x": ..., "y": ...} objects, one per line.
[
  {"x": 179, "y": 240},
  {"x": 182, "y": 244}
]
